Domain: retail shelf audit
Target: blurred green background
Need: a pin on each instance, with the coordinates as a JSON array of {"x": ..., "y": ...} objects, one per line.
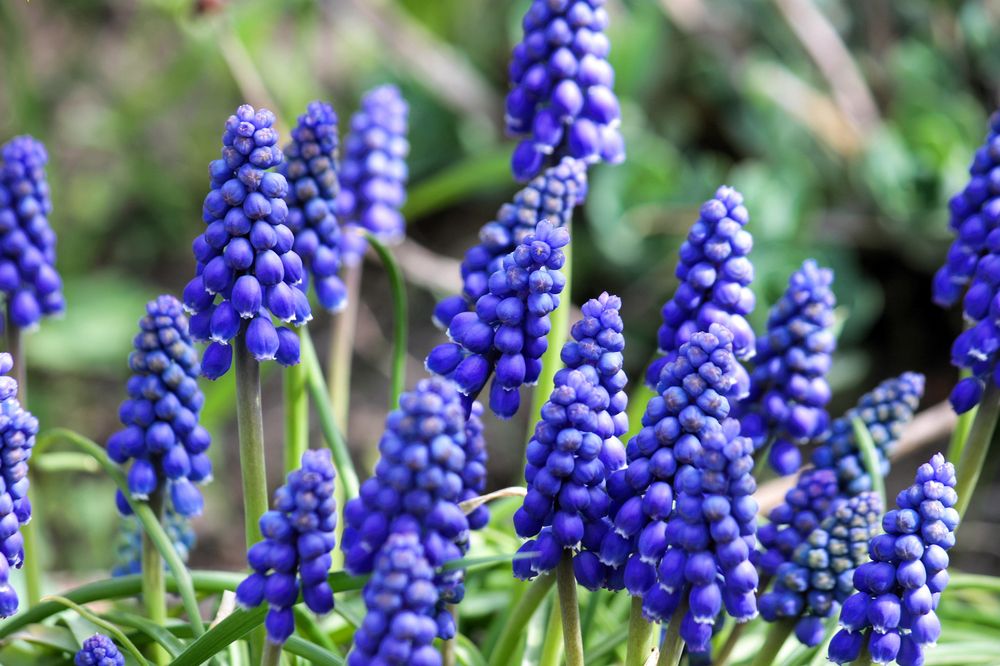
[{"x": 846, "y": 125}]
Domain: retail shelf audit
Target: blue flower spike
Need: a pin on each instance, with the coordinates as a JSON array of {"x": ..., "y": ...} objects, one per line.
[
  {"x": 99, "y": 650},
  {"x": 791, "y": 522},
  {"x": 505, "y": 337},
  {"x": 562, "y": 100},
  {"x": 161, "y": 434},
  {"x": 310, "y": 167},
  {"x": 893, "y": 609},
  {"x": 295, "y": 555},
  {"x": 247, "y": 270},
  {"x": 29, "y": 281},
  {"x": 128, "y": 546}
]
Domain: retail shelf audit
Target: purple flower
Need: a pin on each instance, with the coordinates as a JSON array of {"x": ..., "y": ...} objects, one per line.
[
  {"x": 898, "y": 591},
  {"x": 715, "y": 274},
  {"x": 401, "y": 600},
  {"x": 245, "y": 257},
  {"x": 294, "y": 556},
  {"x": 786, "y": 407},
  {"x": 99, "y": 650},
  {"x": 550, "y": 196},
  {"x": 128, "y": 546},
  {"x": 374, "y": 173},
  {"x": 474, "y": 470},
  {"x": 313, "y": 187},
  {"x": 791, "y": 522},
  {"x": 561, "y": 99},
  {"x": 505, "y": 337},
  {"x": 161, "y": 436},
  {"x": 28, "y": 277}
]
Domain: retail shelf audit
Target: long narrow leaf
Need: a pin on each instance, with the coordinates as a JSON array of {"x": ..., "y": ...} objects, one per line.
[
  {"x": 870, "y": 457},
  {"x": 400, "y": 316},
  {"x": 113, "y": 631}
]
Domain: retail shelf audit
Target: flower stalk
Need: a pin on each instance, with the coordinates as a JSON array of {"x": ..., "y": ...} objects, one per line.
[
  {"x": 513, "y": 631},
  {"x": 250, "y": 424},
  {"x": 639, "y": 633},
  {"x": 673, "y": 646},
  {"x": 552, "y": 647},
  {"x": 341, "y": 353},
  {"x": 296, "y": 414},
  {"x": 154, "y": 585},
  {"x": 570, "y": 610},
  {"x": 976, "y": 447},
  {"x": 775, "y": 639},
  {"x": 400, "y": 314}
]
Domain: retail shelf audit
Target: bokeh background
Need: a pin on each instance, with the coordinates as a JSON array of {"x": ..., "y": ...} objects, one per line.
[{"x": 846, "y": 125}]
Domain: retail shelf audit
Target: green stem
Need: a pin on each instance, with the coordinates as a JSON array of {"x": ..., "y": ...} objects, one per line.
[
  {"x": 296, "y": 415},
  {"x": 342, "y": 347},
  {"x": 448, "y": 646},
  {"x": 154, "y": 587},
  {"x": 271, "y": 656},
  {"x": 961, "y": 432},
  {"x": 552, "y": 648},
  {"x": 731, "y": 640},
  {"x": 250, "y": 425},
  {"x": 639, "y": 633},
  {"x": 570, "y": 608},
  {"x": 869, "y": 456},
  {"x": 400, "y": 321},
  {"x": 513, "y": 631},
  {"x": 977, "y": 445},
  {"x": 776, "y": 636},
  {"x": 673, "y": 645}
]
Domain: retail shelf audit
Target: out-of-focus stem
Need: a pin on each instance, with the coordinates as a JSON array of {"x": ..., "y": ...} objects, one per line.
[
  {"x": 977, "y": 445},
  {"x": 338, "y": 362},
  {"x": 776, "y": 636},
  {"x": 250, "y": 423},
  {"x": 503, "y": 652},
  {"x": 154, "y": 585},
  {"x": 296, "y": 415},
  {"x": 570, "y": 609},
  {"x": 673, "y": 646},
  {"x": 552, "y": 648},
  {"x": 639, "y": 633}
]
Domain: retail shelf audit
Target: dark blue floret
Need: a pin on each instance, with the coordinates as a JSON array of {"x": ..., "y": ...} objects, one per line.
[
  {"x": 819, "y": 577},
  {"x": 295, "y": 555},
  {"x": 310, "y": 167},
  {"x": 99, "y": 650},
  {"x": 561, "y": 99},
  {"x": 401, "y": 599},
  {"x": 374, "y": 173},
  {"x": 897, "y": 594},
  {"x": 786, "y": 408},
  {"x": 128, "y": 547},
  {"x": 715, "y": 274},
  {"x": 29, "y": 281},
  {"x": 474, "y": 471},
  {"x": 245, "y": 258},
  {"x": 550, "y": 196},
  {"x": 791, "y": 522},
  {"x": 885, "y": 411},
  {"x": 17, "y": 437},
  {"x": 505, "y": 337},
  {"x": 162, "y": 437}
]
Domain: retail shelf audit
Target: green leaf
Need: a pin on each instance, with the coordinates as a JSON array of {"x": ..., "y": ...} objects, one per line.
[
  {"x": 113, "y": 631},
  {"x": 400, "y": 322},
  {"x": 467, "y": 652},
  {"x": 143, "y": 625},
  {"x": 56, "y": 638},
  {"x": 870, "y": 457}
]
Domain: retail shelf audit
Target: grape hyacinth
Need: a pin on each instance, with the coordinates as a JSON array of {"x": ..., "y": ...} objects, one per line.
[
  {"x": 310, "y": 167},
  {"x": 561, "y": 100},
  {"x": 99, "y": 650},
  {"x": 505, "y": 335},
  {"x": 715, "y": 274},
  {"x": 885, "y": 411},
  {"x": 819, "y": 576},
  {"x": 400, "y": 599},
  {"x": 374, "y": 172},
  {"x": 17, "y": 437},
  {"x": 161, "y": 436},
  {"x": 791, "y": 522},
  {"x": 245, "y": 256},
  {"x": 788, "y": 388},
  {"x": 29, "y": 281},
  {"x": 295, "y": 555},
  {"x": 474, "y": 470},
  {"x": 128, "y": 546},
  {"x": 898, "y": 592}
]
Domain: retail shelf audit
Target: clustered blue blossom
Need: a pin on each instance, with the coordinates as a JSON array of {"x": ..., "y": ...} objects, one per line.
[
  {"x": 474, "y": 470},
  {"x": 245, "y": 255},
  {"x": 786, "y": 407},
  {"x": 897, "y": 594},
  {"x": 416, "y": 489},
  {"x": 401, "y": 600},
  {"x": 574, "y": 448},
  {"x": 884, "y": 411},
  {"x": 506, "y": 334},
  {"x": 374, "y": 173},
  {"x": 29, "y": 281},
  {"x": 295, "y": 555},
  {"x": 550, "y": 196},
  {"x": 99, "y": 650},
  {"x": 562, "y": 99},
  {"x": 162, "y": 436},
  {"x": 128, "y": 546},
  {"x": 819, "y": 577},
  {"x": 791, "y": 522},
  {"x": 17, "y": 437},
  {"x": 310, "y": 167},
  {"x": 715, "y": 275}
]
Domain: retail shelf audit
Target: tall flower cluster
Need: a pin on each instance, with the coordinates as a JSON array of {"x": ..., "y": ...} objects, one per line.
[
  {"x": 29, "y": 281},
  {"x": 400, "y": 599},
  {"x": 374, "y": 173},
  {"x": 715, "y": 274},
  {"x": 791, "y": 522},
  {"x": 161, "y": 436},
  {"x": 885, "y": 411},
  {"x": 550, "y": 196},
  {"x": 99, "y": 650},
  {"x": 788, "y": 388},
  {"x": 561, "y": 99},
  {"x": 893, "y": 609},
  {"x": 474, "y": 470},
  {"x": 245, "y": 256},
  {"x": 819, "y": 577},
  {"x": 575, "y": 448},
  {"x": 505, "y": 335},
  {"x": 128, "y": 546},
  {"x": 17, "y": 437},
  {"x": 310, "y": 168},
  {"x": 295, "y": 555}
]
